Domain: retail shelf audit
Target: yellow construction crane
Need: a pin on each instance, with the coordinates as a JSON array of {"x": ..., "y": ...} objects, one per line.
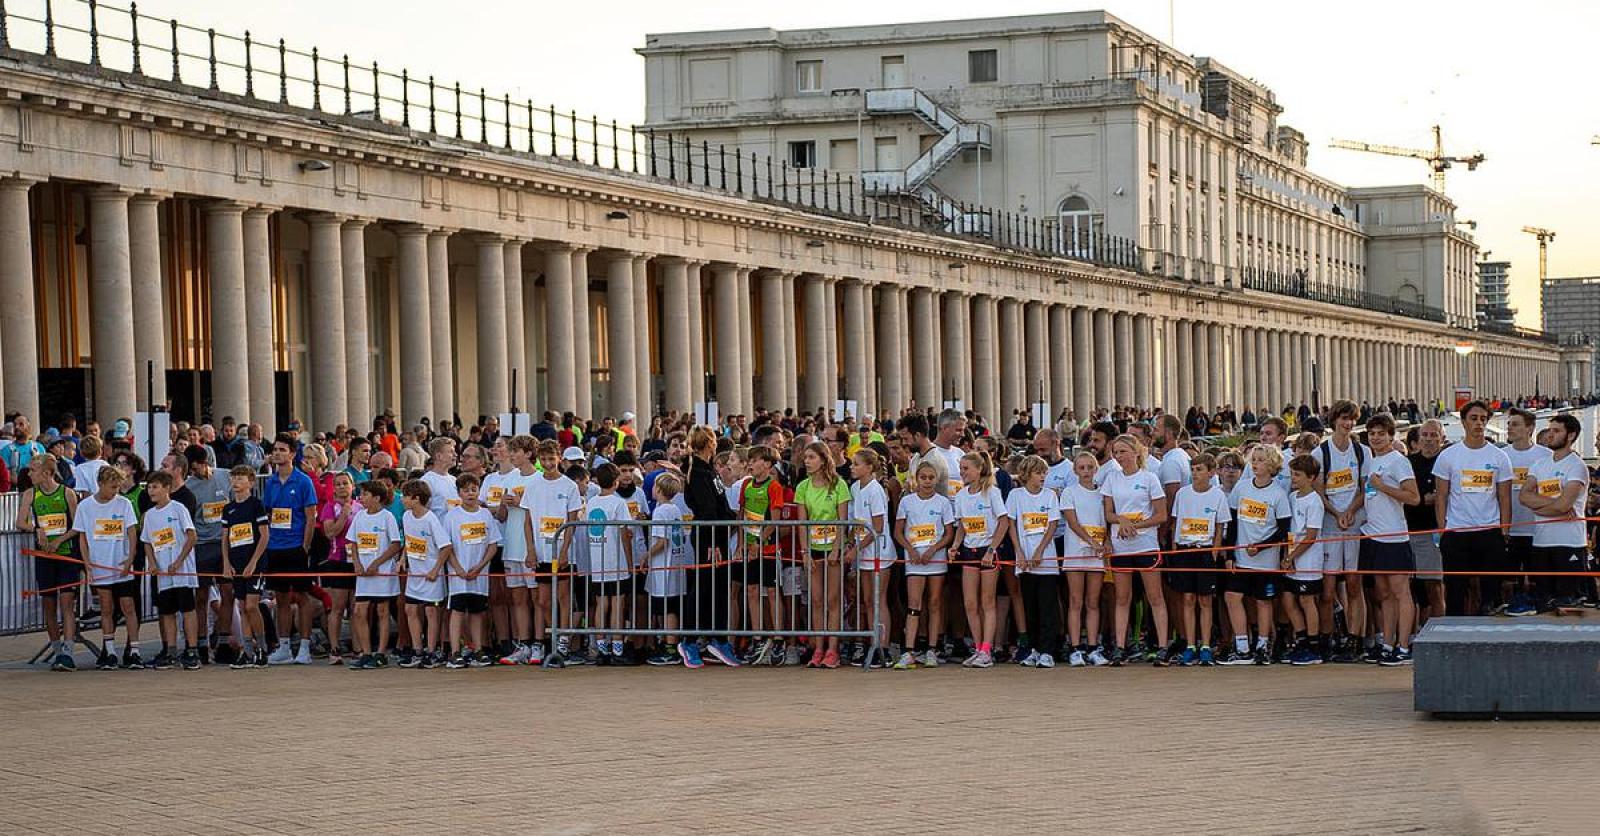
[
  {"x": 1436, "y": 159},
  {"x": 1545, "y": 236}
]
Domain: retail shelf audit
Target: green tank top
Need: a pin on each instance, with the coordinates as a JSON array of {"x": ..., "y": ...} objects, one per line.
[{"x": 50, "y": 513}]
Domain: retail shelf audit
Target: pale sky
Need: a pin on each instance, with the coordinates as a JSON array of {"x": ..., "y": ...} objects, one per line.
[{"x": 1512, "y": 80}]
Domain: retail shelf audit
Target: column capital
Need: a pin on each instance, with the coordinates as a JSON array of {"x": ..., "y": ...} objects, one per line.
[
  {"x": 263, "y": 209},
  {"x": 107, "y": 191},
  {"x": 212, "y": 207},
  {"x": 554, "y": 246},
  {"x": 441, "y": 231},
  {"x": 154, "y": 196},
  {"x": 621, "y": 255},
  {"x": 20, "y": 181},
  {"x": 322, "y": 218},
  {"x": 355, "y": 222},
  {"x": 671, "y": 260},
  {"x": 407, "y": 230},
  {"x": 488, "y": 238}
]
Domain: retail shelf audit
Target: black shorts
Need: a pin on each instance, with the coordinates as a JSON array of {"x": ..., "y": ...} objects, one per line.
[
  {"x": 337, "y": 574},
  {"x": 375, "y": 599},
  {"x": 1303, "y": 589},
  {"x": 1140, "y": 560},
  {"x": 1189, "y": 581},
  {"x": 469, "y": 602},
  {"x": 612, "y": 589},
  {"x": 973, "y": 559},
  {"x": 208, "y": 561},
  {"x": 287, "y": 562},
  {"x": 1473, "y": 551},
  {"x": 1560, "y": 559},
  {"x": 1519, "y": 554},
  {"x": 765, "y": 571},
  {"x": 545, "y": 573},
  {"x": 244, "y": 587},
  {"x": 665, "y": 605},
  {"x": 576, "y": 590},
  {"x": 497, "y": 565},
  {"x": 51, "y": 573},
  {"x": 122, "y": 589},
  {"x": 175, "y": 600},
  {"x": 418, "y": 602},
  {"x": 1387, "y": 557},
  {"x": 1263, "y": 586}
]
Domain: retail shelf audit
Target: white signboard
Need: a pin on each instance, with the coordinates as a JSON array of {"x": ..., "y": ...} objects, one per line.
[
  {"x": 160, "y": 434},
  {"x": 522, "y": 425}
]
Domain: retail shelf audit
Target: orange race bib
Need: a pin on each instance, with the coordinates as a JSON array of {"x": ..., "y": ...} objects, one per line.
[
  {"x": 1477, "y": 481},
  {"x": 212, "y": 511},
  {"x": 367, "y": 542},
  {"x": 1096, "y": 533},
  {"x": 474, "y": 533},
  {"x": 452, "y": 503},
  {"x": 496, "y": 495},
  {"x": 822, "y": 536},
  {"x": 921, "y": 535},
  {"x": 516, "y": 493},
  {"x": 1340, "y": 480},
  {"x": 954, "y": 485},
  {"x": 1549, "y": 487},
  {"x": 282, "y": 518},
  {"x": 975, "y": 526},
  {"x": 416, "y": 546},
  {"x": 548, "y": 526},
  {"x": 1519, "y": 475},
  {"x": 1253, "y": 510},
  {"x": 1034, "y": 522},
  {"x": 1195, "y": 528},
  {"x": 163, "y": 537},
  {"x": 108, "y": 529},
  {"x": 53, "y": 525},
  {"x": 242, "y": 534}
]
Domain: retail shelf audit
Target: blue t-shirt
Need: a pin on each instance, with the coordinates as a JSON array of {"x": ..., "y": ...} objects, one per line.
[{"x": 293, "y": 495}]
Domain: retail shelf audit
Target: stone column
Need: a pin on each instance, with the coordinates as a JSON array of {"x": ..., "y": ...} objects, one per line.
[
  {"x": 19, "y": 346},
  {"x": 111, "y": 299},
  {"x": 416, "y": 332},
  {"x": 561, "y": 383},
  {"x": 869, "y": 346},
  {"x": 646, "y": 394},
  {"x": 441, "y": 342},
  {"x": 357, "y": 357},
  {"x": 1013, "y": 394},
  {"x": 1200, "y": 342},
  {"x": 1247, "y": 369},
  {"x": 675, "y": 333},
  {"x": 747, "y": 376},
  {"x": 697, "y": 336},
  {"x": 1185, "y": 366},
  {"x": 816, "y": 343},
  {"x": 150, "y": 330},
  {"x": 925, "y": 381},
  {"x": 957, "y": 351},
  {"x": 494, "y": 382},
  {"x": 773, "y": 387},
  {"x": 891, "y": 338},
  {"x": 983, "y": 358},
  {"x": 230, "y": 341},
  {"x": 325, "y": 295},
  {"x": 725, "y": 293},
  {"x": 516, "y": 335},
  {"x": 1143, "y": 369},
  {"x": 582, "y": 342},
  {"x": 1215, "y": 376},
  {"x": 1036, "y": 376},
  {"x": 1083, "y": 369},
  {"x": 621, "y": 332},
  {"x": 1104, "y": 361},
  {"x": 830, "y": 307},
  {"x": 1122, "y": 334},
  {"x": 258, "y": 320},
  {"x": 1060, "y": 359},
  {"x": 857, "y": 387},
  {"x": 791, "y": 343}
]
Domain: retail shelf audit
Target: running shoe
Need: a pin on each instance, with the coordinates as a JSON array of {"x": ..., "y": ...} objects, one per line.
[
  {"x": 131, "y": 659},
  {"x": 1519, "y": 607},
  {"x": 984, "y": 659},
  {"x": 482, "y": 659},
  {"x": 260, "y": 660},
  {"x": 1399, "y": 657},
  {"x": 1031, "y": 660},
  {"x": 163, "y": 661},
  {"x": 364, "y": 662},
  {"x": 1097, "y": 658},
  {"x": 1207, "y": 659},
  {"x": 457, "y": 662},
  {"x": 1119, "y": 657},
  {"x": 722, "y": 652},
  {"x": 535, "y": 653},
  {"x": 1373, "y": 654},
  {"x": 413, "y": 660},
  {"x": 522, "y": 655},
  {"x": 930, "y": 659},
  {"x": 665, "y": 658},
  {"x": 1261, "y": 656},
  {"x": 907, "y": 662},
  {"x": 380, "y": 660},
  {"x": 858, "y": 653},
  {"x": 1046, "y": 660},
  {"x": 761, "y": 654},
  {"x": 190, "y": 660},
  {"x": 791, "y": 656},
  {"x": 1347, "y": 654},
  {"x": 1076, "y": 658},
  {"x": 64, "y": 662},
  {"x": 105, "y": 662},
  {"x": 1187, "y": 658},
  {"x": 1304, "y": 656},
  {"x": 967, "y": 662},
  {"x": 689, "y": 652},
  {"x": 1163, "y": 658},
  {"x": 830, "y": 660},
  {"x": 1235, "y": 657},
  {"x": 282, "y": 655},
  {"x": 304, "y": 656}
]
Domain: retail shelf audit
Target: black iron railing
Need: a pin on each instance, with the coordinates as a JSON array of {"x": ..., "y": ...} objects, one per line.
[
  {"x": 116, "y": 40},
  {"x": 1296, "y": 284}
]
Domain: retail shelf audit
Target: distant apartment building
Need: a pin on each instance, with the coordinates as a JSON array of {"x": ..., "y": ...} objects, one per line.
[
  {"x": 1079, "y": 123},
  {"x": 1494, "y": 293},
  {"x": 1570, "y": 310}
]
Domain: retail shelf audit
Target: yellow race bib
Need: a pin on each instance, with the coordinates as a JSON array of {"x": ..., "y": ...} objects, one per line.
[
  {"x": 954, "y": 485},
  {"x": 1340, "y": 480},
  {"x": 975, "y": 526},
  {"x": 474, "y": 533},
  {"x": 548, "y": 526},
  {"x": 516, "y": 494},
  {"x": 822, "y": 536},
  {"x": 452, "y": 503},
  {"x": 108, "y": 529},
  {"x": 921, "y": 535},
  {"x": 496, "y": 494},
  {"x": 1477, "y": 481},
  {"x": 1034, "y": 522},
  {"x": 282, "y": 518},
  {"x": 1096, "y": 533},
  {"x": 1549, "y": 487},
  {"x": 212, "y": 511},
  {"x": 163, "y": 537},
  {"x": 1253, "y": 510},
  {"x": 1519, "y": 475},
  {"x": 242, "y": 534},
  {"x": 1195, "y": 528},
  {"x": 367, "y": 543},
  {"x": 53, "y": 525},
  {"x": 416, "y": 546}
]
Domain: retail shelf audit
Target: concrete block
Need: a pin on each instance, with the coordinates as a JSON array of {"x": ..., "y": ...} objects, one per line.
[{"x": 1505, "y": 668}]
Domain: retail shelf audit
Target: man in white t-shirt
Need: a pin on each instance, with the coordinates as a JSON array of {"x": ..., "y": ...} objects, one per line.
[
  {"x": 1555, "y": 490},
  {"x": 1522, "y": 452},
  {"x": 1174, "y": 470},
  {"x": 1472, "y": 499}
]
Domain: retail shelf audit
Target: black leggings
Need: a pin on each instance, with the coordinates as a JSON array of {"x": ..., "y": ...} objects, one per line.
[{"x": 1041, "y": 602}]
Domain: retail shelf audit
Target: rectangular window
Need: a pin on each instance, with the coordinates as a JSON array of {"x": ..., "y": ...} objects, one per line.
[
  {"x": 802, "y": 154},
  {"x": 894, "y": 71},
  {"x": 983, "y": 65},
  {"x": 808, "y": 76}
]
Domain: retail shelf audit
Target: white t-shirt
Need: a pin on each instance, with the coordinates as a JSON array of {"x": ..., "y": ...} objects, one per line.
[
  {"x": 108, "y": 525},
  {"x": 665, "y": 580},
  {"x": 980, "y": 515},
  {"x": 868, "y": 500},
  {"x": 608, "y": 562},
  {"x": 1521, "y": 460},
  {"x": 425, "y": 536},
  {"x": 445, "y": 496},
  {"x": 86, "y": 476},
  {"x": 926, "y": 521},
  {"x": 1090, "y": 508},
  {"x": 367, "y": 538},
  {"x": 1198, "y": 517},
  {"x": 1341, "y": 478},
  {"x": 1060, "y": 475},
  {"x": 952, "y": 467},
  {"x": 1386, "y": 517},
  {"x": 548, "y": 503},
  {"x": 1032, "y": 514},
  {"x": 164, "y": 529},
  {"x": 1175, "y": 467},
  {"x": 1259, "y": 510},
  {"x": 1474, "y": 476},
  {"x": 1132, "y": 497},
  {"x": 1553, "y": 476},
  {"x": 1306, "y": 515},
  {"x": 471, "y": 534}
]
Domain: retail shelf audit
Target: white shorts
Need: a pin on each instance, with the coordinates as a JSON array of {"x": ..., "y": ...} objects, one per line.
[
  {"x": 1071, "y": 564},
  {"x": 938, "y": 564},
  {"x": 517, "y": 576},
  {"x": 1340, "y": 554}
]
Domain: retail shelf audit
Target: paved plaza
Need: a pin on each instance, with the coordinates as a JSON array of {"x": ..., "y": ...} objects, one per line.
[{"x": 1231, "y": 750}]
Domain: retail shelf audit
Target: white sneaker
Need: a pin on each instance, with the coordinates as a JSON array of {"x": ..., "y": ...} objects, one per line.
[
  {"x": 1076, "y": 660},
  {"x": 1032, "y": 661},
  {"x": 1098, "y": 658},
  {"x": 517, "y": 657},
  {"x": 1046, "y": 660},
  {"x": 535, "y": 653},
  {"x": 284, "y": 655},
  {"x": 930, "y": 659},
  {"x": 304, "y": 656},
  {"x": 792, "y": 655},
  {"x": 968, "y": 662},
  {"x": 907, "y": 662},
  {"x": 984, "y": 659}
]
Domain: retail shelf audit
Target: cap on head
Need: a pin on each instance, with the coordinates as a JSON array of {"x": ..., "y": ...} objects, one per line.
[{"x": 572, "y": 454}]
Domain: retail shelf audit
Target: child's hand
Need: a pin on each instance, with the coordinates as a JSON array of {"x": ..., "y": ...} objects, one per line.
[
  {"x": 1126, "y": 531},
  {"x": 473, "y": 574},
  {"x": 227, "y": 570},
  {"x": 989, "y": 557},
  {"x": 1252, "y": 550},
  {"x": 432, "y": 575}
]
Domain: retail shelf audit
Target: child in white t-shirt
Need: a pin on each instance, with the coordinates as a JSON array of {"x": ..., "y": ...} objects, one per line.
[
  {"x": 168, "y": 534},
  {"x": 474, "y": 540},
  {"x": 923, "y": 528},
  {"x": 666, "y": 582},
  {"x": 611, "y": 562},
  {"x": 1083, "y": 513},
  {"x": 1037, "y": 513},
  {"x": 373, "y": 543},
  {"x": 985, "y": 524},
  {"x": 1303, "y": 561},
  {"x": 1200, "y": 516},
  {"x": 871, "y": 549},
  {"x": 108, "y": 534},
  {"x": 427, "y": 550}
]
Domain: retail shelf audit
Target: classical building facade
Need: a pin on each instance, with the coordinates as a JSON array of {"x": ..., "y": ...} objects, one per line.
[
  {"x": 1078, "y": 121},
  {"x": 275, "y": 233}
]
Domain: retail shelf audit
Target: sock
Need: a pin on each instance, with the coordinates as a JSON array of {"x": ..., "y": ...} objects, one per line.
[
  {"x": 111, "y": 647},
  {"x": 985, "y": 647},
  {"x": 1022, "y": 639},
  {"x": 1241, "y": 644},
  {"x": 1261, "y": 642},
  {"x": 305, "y": 646}
]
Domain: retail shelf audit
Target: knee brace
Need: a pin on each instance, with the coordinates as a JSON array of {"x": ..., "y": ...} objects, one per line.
[{"x": 912, "y": 611}]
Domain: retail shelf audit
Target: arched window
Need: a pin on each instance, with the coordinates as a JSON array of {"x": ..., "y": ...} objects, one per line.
[{"x": 1078, "y": 227}]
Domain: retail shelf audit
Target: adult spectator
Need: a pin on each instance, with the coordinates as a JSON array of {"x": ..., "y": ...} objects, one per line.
[{"x": 227, "y": 449}]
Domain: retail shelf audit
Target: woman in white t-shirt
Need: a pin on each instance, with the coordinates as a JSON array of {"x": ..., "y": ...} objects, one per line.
[{"x": 1135, "y": 507}]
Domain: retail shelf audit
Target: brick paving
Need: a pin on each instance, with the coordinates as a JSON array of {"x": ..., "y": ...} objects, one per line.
[{"x": 1137, "y": 750}]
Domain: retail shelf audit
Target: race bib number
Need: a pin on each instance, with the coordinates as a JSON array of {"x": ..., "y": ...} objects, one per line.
[
  {"x": 243, "y": 534},
  {"x": 452, "y": 503},
  {"x": 163, "y": 537},
  {"x": 822, "y": 536},
  {"x": 1519, "y": 475},
  {"x": 367, "y": 543},
  {"x": 1477, "y": 481},
  {"x": 548, "y": 526},
  {"x": 954, "y": 486},
  {"x": 1195, "y": 528},
  {"x": 975, "y": 526},
  {"x": 416, "y": 546},
  {"x": 1253, "y": 510},
  {"x": 108, "y": 529},
  {"x": 497, "y": 495},
  {"x": 474, "y": 533},
  {"x": 282, "y": 518},
  {"x": 1134, "y": 516},
  {"x": 53, "y": 525},
  {"x": 753, "y": 516},
  {"x": 1549, "y": 487},
  {"x": 633, "y": 509},
  {"x": 1340, "y": 481},
  {"x": 516, "y": 493},
  {"x": 1096, "y": 533},
  {"x": 211, "y": 512},
  {"x": 922, "y": 535},
  {"x": 1034, "y": 522}
]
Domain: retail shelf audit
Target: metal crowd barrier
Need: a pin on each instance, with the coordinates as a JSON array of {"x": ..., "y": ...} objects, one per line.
[{"x": 730, "y": 596}]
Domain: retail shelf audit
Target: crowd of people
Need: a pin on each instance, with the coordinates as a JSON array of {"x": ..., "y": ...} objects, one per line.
[{"x": 787, "y": 538}]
